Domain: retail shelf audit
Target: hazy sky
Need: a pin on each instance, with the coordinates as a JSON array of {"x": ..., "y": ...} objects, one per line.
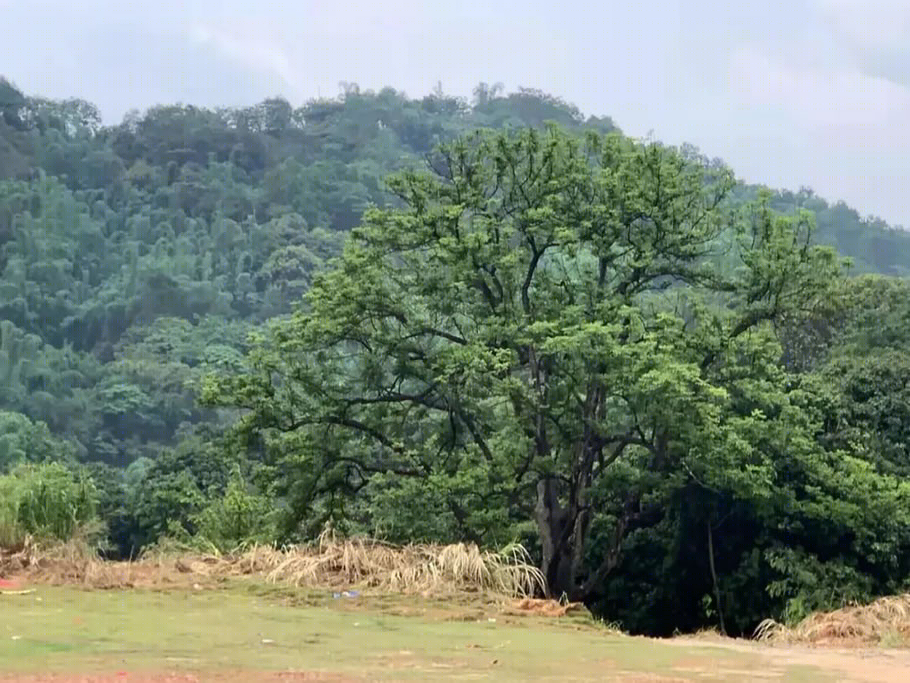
[{"x": 803, "y": 92}]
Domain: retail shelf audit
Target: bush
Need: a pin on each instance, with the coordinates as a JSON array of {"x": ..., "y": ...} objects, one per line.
[{"x": 238, "y": 517}]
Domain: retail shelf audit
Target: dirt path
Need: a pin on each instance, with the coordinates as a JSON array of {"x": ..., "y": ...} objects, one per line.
[
  {"x": 860, "y": 665},
  {"x": 151, "y": 677}
]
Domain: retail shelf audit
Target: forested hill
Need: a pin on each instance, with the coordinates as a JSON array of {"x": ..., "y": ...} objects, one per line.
[
  {"x": 139, "y": 258},
  {"x": 135, "y": 255}
]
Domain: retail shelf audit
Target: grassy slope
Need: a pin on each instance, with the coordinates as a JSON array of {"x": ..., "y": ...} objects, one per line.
[{"x": 57, "y": 629}]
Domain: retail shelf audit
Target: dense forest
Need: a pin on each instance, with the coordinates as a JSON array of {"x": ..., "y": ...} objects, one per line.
[{"x": 434, "y": 319}]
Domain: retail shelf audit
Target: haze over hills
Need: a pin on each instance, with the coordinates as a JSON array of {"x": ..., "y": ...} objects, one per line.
[{"x": 810, "y": 92}]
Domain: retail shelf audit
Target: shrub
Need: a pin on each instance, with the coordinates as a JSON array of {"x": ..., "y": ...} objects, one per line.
[{"x": 238, "y": 517}]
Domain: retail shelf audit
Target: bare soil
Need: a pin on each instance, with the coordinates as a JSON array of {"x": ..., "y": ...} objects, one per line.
[
  {"x": 868, "y": 665},
  {"x": 221, "y": 677}
]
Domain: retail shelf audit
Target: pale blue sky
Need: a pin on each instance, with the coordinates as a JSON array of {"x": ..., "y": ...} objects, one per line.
[{"x": 803, "y": 92}]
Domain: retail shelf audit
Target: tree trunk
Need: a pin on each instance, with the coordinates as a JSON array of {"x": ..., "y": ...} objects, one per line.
[
  {"x": 718, "y": 603},
  {"x": 556, "y": 561},
  {"x": 561, "y": 565}
]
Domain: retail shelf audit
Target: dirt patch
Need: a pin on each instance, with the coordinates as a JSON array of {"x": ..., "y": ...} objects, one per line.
[
  {"x": 859, "y": 665},
  {"x": 164, "y": 677}
]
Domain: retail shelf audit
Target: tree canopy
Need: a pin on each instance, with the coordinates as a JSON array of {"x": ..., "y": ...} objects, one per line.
[{"x": 548, "y": 331}]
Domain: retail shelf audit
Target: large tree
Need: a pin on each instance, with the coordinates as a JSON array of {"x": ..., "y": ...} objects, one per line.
[{"x": 541, "y": 327}]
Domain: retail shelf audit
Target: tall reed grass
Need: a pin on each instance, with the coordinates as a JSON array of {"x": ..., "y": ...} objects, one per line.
[{"x": 45, "y": 501}]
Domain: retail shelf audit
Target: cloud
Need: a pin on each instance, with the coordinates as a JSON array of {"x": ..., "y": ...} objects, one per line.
[
  {"x": 875, "y": 36},
  {"x": 263, "y": 54},
  {"x": 841, "y": 99},
  {"x": 878, "y": 24},
  {"x": 846, "y": 132}
]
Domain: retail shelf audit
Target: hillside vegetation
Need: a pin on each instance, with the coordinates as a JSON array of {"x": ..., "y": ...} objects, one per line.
[{"x": 432, "y": 320}]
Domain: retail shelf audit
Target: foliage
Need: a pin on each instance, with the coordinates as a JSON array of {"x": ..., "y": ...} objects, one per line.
[
  {"x": 22, "y": 441},
  {"x": 170, "y": 495},
  {"x": 239, "y": 516},
  {"x": 653, "y": 377},
  {"x": 579, "y": 364}
]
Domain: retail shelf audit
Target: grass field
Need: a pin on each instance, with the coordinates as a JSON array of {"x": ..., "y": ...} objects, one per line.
[{"x": 249, "y": 632}]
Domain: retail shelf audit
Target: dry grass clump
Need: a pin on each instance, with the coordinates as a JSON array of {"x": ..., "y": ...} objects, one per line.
[
  {"x": 330, "y": 562},
  {"x": 16, "y": 557},
  {"x": 73, "y": 562},
  {"x": 546, "y": 608},
  {"x": 885, "y": 621},
  {"x": 412, "y": 569}
]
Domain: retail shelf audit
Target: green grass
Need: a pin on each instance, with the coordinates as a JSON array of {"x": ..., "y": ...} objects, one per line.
[{"x": 238, "y": 629}]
